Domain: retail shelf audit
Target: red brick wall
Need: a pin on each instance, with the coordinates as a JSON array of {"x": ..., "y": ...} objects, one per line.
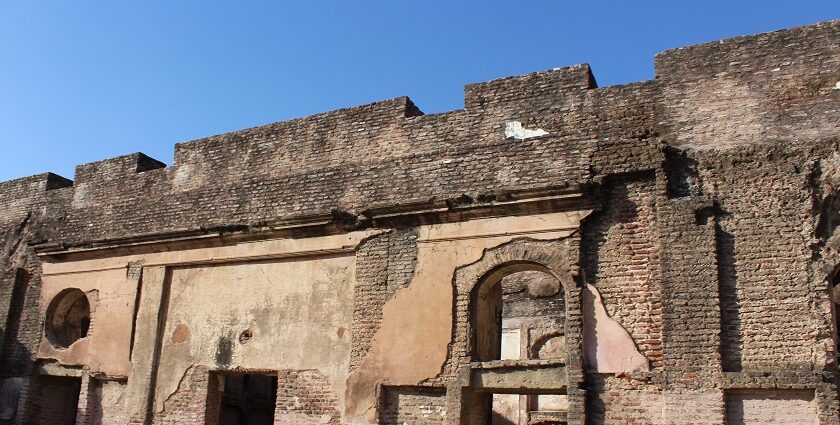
[
  {"x": 621, "y": 249},
  {"x": 305, "y": 395}
]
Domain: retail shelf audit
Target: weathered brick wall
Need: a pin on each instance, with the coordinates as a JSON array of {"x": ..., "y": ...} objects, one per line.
[
  {"x": 413, "y": 405},
  {"x": 338, "y": 160},
  {"x": 621, "y": 249},
  {"x": 384, "y": 264},
  {"x": 52, "y": 400},
  {"x": 15, "y": 354},
  {"x": 189, "y": 404},
  {"x": 773, "y": 86},
  {"x": 766, "y": 224},
  {"x": 622, "y": 400},
  {"x": 305, "y": 396},
  {"x": 31, "y": 207},
  {"x": 691, "y": 310}
]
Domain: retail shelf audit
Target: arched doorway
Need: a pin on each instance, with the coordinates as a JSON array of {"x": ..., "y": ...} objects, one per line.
[
  {"x": 518, "y": 334},
  {"x": 520, "y": 315}
]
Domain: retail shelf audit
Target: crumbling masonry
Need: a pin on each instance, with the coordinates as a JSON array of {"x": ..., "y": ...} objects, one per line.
[{"x": 658, "y": 252}]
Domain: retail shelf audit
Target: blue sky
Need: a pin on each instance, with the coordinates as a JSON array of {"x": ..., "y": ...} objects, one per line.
[{"x": 82, "y": 81}]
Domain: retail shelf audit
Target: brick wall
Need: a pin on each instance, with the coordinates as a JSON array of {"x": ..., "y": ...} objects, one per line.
[
  {"x": 765, "y": 226},
  {"x": 770, "y": 406},
  {"x": 189, "y": 403},
  {"x": 52, "y": 400},
  {"x": 384, "y": 263},
  {"x": 414, "y": 405},
  {"x": 305, "y": 396},
  {"x": 773, "y": 86},
  {"x": 621, "y": 248}
]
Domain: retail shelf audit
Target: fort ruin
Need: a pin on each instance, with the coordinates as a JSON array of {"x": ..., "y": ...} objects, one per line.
[{"x": 553, "y": 253}]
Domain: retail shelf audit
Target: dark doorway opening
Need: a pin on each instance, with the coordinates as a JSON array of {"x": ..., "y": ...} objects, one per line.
[
  {"x": 57, "y": 398},
  {"x": 243, "y": 399}
]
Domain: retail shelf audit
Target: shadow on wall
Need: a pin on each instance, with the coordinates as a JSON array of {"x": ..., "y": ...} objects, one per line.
[
  {"x": 10, "y": 386},
  {"x": 618, "y": 209},
  {"x": 730, "y": 309},
  {"x": 15, "y": 357}
]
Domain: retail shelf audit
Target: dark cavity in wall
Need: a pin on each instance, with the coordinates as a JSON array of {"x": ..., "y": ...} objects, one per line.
[
  {"x": 55, "y": 399},
  {"x": 829, "y": 217},
  {"x": 681, "y": 173}
]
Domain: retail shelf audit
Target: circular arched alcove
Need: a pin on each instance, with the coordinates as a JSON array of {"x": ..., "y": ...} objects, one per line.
[{"x": 68, "y": 318}]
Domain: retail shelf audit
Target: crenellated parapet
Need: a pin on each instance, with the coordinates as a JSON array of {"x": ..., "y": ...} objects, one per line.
[
  {"x": 549, "y": 129},
  {"x": 664, "y": 251}
]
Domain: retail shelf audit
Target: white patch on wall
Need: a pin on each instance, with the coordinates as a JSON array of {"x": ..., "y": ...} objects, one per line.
[
  {"x": 837, "y": 86},
  {"x": 511, "y": 340},
  {"x": 515, "y": 130},
  {"x": 80, "y": 195}
]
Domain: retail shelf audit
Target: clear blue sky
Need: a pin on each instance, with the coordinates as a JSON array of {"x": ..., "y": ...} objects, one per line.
[{"x": 82, "y": 81}]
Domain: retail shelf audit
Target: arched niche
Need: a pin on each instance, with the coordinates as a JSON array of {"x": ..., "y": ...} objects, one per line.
[{"x": 68, "y": 318}]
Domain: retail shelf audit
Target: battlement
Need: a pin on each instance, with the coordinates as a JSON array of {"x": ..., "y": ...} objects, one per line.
[
  {"x": 115, "y": 168},
  {"x": 537, "y": 85},
  {"x": 791, "y": 47},
  {"x": 779, "y": 85}
]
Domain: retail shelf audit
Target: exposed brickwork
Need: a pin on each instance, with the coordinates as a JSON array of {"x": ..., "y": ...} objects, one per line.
[
  {"x": 774, "y": 86},
  {"x": 622, "y": 400},
  {"x": 384, "y": 264},
  {"x": 413, "y": 405},
  {"x": 622, "y": 260},
  {"x": 14, "y": 355},
  {"x": 691, "y": 324},
  {"x": 189, "y": 403},
  {"x": 52, "y": 400},
  {"x": 305, "y": 396},
  {"x": 764, "y": 253}
]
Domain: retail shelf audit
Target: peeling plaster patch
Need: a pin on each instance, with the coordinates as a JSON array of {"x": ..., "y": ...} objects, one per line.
[
  {"x": 607, "y": 346},
  {"x": 181, "y": 333},
  {"x": 515, "y": 130},
  {"x": 184, "y": 377}
]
